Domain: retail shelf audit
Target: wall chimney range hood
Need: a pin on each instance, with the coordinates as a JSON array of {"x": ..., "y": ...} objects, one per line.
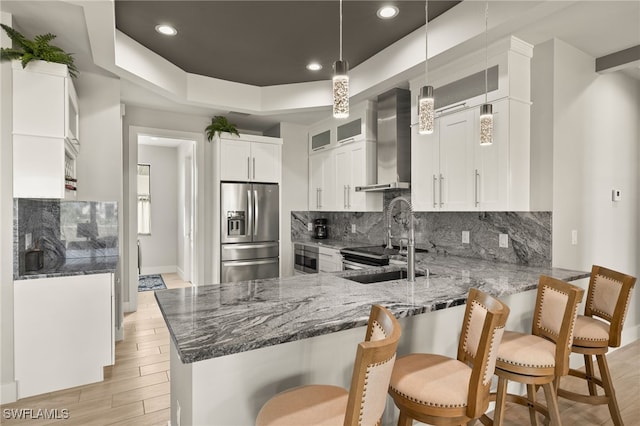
[{"x": 394, "y": 142}]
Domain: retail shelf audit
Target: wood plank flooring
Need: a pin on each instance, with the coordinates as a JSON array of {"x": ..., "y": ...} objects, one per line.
[{"x": 136, "y": 389}]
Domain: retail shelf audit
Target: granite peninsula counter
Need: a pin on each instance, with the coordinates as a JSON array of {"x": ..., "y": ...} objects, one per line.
[{"x": 244, "y": 342}]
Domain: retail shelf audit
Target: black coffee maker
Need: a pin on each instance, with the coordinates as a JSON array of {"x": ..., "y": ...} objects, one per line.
[{"x": 320, "y": 228}]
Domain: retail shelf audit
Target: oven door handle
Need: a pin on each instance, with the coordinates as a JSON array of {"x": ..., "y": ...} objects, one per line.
[{"x": 349, "y": 265}]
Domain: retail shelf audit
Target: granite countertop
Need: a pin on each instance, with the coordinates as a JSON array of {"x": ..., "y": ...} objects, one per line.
[
  {"x": 216, "y": 320},
  {"x": 74, "y": 266}
]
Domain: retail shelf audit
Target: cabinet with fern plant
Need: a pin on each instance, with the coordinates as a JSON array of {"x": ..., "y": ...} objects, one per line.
[{"x": 45, "y": 131}]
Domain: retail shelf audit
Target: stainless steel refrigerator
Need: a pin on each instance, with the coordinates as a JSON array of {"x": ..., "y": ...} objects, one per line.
[{"x": 249, "y": 231}]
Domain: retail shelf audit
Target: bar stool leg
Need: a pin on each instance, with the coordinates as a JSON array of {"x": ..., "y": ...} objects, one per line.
[
  {"x": 588, "y": 368},
  {"x": 404, "y": 420},
  {"x": 552, "y": 404},
  {"x": 531, "y": 395},
  {"x": 501, "y": 398},
  {"x": 609, "y": 391}
]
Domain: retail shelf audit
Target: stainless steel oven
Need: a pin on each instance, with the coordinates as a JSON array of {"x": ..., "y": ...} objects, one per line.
[{"x": 305, "y": 259}]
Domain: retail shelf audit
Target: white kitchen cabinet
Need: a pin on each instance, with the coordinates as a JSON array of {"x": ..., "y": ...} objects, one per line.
[
  {"x": 451, "y": 171},
  {"x": 356, "y": 166},
  {"x": 322, "y": 181},
  {"x": 63, "y": 332},
  {"x": 45, "y": 130},
  {"x": 329, "y": 259},
  {"x": 243, "y": 159},
  {"x": 330, "y": 133},
  {"x": 359, "y": 126}
]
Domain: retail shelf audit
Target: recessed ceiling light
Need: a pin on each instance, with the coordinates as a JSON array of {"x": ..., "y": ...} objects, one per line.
[
  {"x": 166, "y": 30},
  {"x": 314, "y": 66},
  {"x": 387, "y": 12}
]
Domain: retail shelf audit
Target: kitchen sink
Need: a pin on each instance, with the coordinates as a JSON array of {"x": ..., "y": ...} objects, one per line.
[{"x": 381, "y": 276}]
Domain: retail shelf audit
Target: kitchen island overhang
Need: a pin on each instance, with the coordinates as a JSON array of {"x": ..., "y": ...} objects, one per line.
[{"x": 235, "y": 345}]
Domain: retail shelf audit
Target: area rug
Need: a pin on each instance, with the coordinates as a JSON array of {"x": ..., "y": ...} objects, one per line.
[{"x": 150, "y": 282}]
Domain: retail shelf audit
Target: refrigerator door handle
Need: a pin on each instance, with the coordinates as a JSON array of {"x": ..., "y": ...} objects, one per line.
[
  {"x": 249, "y": 212},
  {"x": 248, "y": 246},
  {"x": 250, "y": 262},
  {"x": 256, "y": 217}
]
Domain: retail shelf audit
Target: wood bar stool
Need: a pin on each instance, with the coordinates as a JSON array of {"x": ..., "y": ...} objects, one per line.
[
  {"x": 536, "y": 359},
  {"x": 607, "y": 299},
  {"x": 443, "y": 391},
  {"x": 364, "y": 402}
]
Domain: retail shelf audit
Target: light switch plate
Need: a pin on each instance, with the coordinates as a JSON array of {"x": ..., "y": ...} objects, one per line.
[
  {"x": 503, "y": 240},
  {"x": 353, "y": 228},
  {"x": 465, "y": 237},
  {"x": 574, "y": 237},
  {"x": 310, "y": 226}
]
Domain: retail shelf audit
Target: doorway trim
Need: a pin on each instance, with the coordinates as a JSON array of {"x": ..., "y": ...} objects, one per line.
[{"x": 130, "y": 248}]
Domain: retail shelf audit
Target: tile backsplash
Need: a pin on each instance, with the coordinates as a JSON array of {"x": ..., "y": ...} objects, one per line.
[
  {"x": 529, "y": 240},
  {"x": 63, "y": 230}
]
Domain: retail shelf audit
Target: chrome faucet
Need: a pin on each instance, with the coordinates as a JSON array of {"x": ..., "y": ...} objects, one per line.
[{"x": 411, "y": 245}]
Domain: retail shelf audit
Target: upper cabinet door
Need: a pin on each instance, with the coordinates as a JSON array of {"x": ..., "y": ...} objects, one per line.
[
  {"x": 235, "y": 160},
  {"x": 425, "y": 170},
  {"x": 456, "y": 161},
  {"x": 265, "y": 162},
  {"x": 492, "y": 162}
]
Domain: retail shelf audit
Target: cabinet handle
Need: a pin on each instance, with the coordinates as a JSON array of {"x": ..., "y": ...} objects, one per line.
[
  {"x": 320, "y": 197},
  {"x": 317, "y": 198},
  {"x": 254, "y": 168},
  {"x": 435, "y": 179},
  {"x": 475, "y": 187},
  {"x": 248, "y": 168},
  {"x": 349, "y": 196},
  {"x": 344, "y": 195},
  {"x": 441, "y": 179}
]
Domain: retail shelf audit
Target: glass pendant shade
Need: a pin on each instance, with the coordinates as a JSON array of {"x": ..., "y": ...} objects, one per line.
[
  {"x": 486, "y": 124},
  {"x": 340, "y": 89},
  {"x": 425, "y": 110}
]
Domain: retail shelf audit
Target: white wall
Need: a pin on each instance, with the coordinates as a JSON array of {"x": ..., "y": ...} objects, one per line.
[
  {"x": 7, "y": 382},
  {"x": 294, "y": 188},
  {"x": 159, "y": 250},
  {"x": 596, "y": 135}
]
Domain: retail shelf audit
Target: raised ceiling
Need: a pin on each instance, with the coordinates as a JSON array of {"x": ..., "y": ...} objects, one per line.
[{"x": 265, "y": 43}]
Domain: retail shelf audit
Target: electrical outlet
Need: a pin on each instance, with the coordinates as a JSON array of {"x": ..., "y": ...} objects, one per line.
[
  {"x": 353, "y": 228},
  {"x": 465, "y": 237},
  {"x": 503, "y": 240},
  {"x": 574, "y": 237},
  {"x": 310, "y": 226},
  {"x": 28, "y": 239},
  {"x": 616, "y": 195}
]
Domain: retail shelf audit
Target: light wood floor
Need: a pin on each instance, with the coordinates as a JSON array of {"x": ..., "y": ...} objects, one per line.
[{"x": 136, "y": 390}]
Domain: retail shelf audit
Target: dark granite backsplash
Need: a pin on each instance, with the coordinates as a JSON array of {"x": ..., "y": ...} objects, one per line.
[
  {"x": 441, "y": 232},
  {"x": 63, "y": 230}
]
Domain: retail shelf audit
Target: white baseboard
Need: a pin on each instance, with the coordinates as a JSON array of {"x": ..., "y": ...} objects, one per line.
[
  {"x": 8, "y": 392},
  {"x": 180, "y": 273},
  {"x": 149, "y": 270},
  {"x": 118, "y": 333}
]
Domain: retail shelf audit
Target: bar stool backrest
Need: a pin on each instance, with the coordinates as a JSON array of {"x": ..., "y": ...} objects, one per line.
[
  {"x": 555, "y": 316},
  {"x": 482, "y": 329},
  {"x": 372, "y": 369},
  {"x": 608, "y": 298}
]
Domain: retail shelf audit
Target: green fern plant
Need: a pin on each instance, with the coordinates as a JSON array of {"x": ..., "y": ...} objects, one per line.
[
  {"x": 39, "y": 48},
  {"x": 218, "y": 125}
]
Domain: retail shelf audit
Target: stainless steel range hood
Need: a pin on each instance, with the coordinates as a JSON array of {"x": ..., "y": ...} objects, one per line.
[{"x": 394, "y": 141}]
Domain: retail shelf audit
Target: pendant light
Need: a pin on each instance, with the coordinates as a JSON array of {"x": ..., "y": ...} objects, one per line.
[
  {"x": 340, "y": 82},
  {"x": 425, "y": 99},
  {"x": 486, "y": 109}
]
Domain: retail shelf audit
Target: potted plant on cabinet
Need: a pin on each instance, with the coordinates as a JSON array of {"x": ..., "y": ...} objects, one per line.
[
  {"x": 220, "y": 124},
  {"x": 26, "y": 50}
]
